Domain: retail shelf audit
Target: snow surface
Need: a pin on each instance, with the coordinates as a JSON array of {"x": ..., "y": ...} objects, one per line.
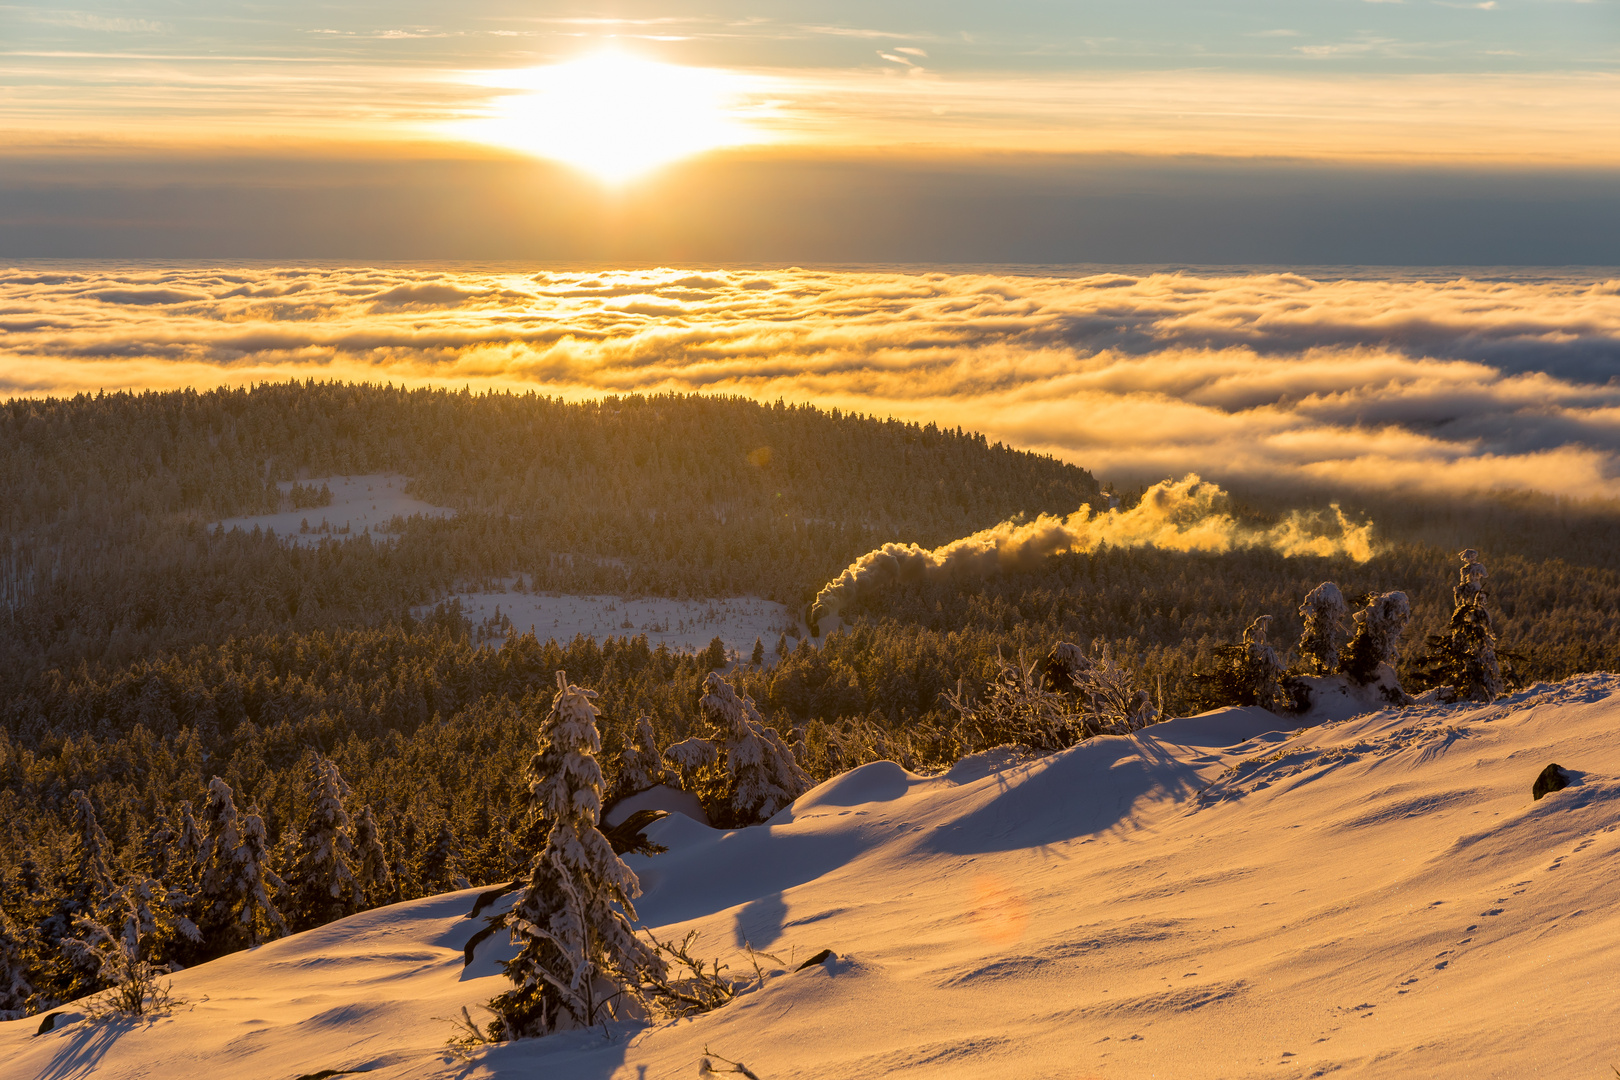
[
  {"x": 359, "y": 503},
  {"x": 1375, "y": 896},
  {"x": 738, "y": 621}
]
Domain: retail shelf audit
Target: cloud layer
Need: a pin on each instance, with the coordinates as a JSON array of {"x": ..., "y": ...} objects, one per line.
[{"x": 1419, "y": 382}]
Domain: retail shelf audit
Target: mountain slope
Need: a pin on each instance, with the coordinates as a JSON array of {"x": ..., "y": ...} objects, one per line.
[{"x": 1375, "y": 896}]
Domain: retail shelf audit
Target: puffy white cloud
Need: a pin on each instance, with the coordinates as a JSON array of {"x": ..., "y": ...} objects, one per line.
[{"x": 1414, "y": 382}]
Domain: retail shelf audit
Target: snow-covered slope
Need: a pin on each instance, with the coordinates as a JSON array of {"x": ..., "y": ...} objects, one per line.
[{"x": 1377, "y": 896}]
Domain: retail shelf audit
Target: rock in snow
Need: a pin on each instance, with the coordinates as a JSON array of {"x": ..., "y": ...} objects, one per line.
[{"x": 1372, "y": 896}]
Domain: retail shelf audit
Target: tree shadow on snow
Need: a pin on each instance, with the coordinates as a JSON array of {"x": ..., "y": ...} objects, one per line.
[
  {"x": 760, "y": 922},
  {"x": 1087, "y": 789}
]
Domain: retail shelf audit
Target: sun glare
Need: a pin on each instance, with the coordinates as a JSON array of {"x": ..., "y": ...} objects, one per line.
[{"x": 614, "y": 115}]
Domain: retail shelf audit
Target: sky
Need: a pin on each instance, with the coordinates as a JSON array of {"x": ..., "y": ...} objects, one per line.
[{"x": 1332, "y": 131}]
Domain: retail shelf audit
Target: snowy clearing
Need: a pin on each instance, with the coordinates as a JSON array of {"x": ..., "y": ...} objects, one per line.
[
  {"x": 738, "y": 621},
  {"x": 359, "y": 504},
  {"x": 1376, "y": 896}
]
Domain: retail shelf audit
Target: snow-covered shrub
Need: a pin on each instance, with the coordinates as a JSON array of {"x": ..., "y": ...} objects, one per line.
[
  {"x": 1323, "y": 614},
  {"x": 754, "y": 773},
  {"x": 122, "y": 952},
  {"x": 1019, "y": 709},
  {"x": 572, "y": 925},
  {"x": 1375, "y": 650},
  {"x": 321, "y": 883},
  {"x": 233, "y": 904},
  {"x": 1111, "y": 702},
  {"x": 1463, "y": 659}
]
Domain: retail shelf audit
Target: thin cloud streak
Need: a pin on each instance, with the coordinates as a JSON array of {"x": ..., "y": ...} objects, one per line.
[{"x": 1258, "y": 377}]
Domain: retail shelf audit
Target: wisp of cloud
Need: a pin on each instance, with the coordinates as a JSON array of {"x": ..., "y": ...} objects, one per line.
[{"x": 1174, "y": 515}]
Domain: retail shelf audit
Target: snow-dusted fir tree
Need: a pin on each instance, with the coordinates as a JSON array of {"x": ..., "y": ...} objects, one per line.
[
  {"x": 15, "y": 986},
  {"x": 233, "y": 903},
  {"x": 1463, "y": 659},
  {"x": 257, "y": 917},
  {"x": 760, "y": 775},
  {"x": 92, "y": 879},
  {"x": 1377, "y": 642},
  {"x": 641, "y": 766},
  {"x": 1262, "y": 667},
  {"x": 321, "y": 885},
  {"x": 1323, "y": 614},
  {"x": 375, "y": 883},
  {"x": 572, "y": 925},
  {"x": 189, "y": 842},
  {"x": 441, "y": 866}
]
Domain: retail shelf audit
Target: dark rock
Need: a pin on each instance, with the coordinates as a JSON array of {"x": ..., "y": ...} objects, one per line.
[
  {"x": 1552, "y": 778},
  {"x": 820, "y": 958},
  {"x": 48, "y": 1023}
]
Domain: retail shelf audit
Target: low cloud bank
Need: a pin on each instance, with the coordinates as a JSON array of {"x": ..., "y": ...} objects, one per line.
[
  {"x": 1174, "y": 515},
  {"x": 1427, "y": 382}
]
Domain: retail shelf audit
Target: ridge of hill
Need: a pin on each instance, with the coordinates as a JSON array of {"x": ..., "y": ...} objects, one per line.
[{"x": 1376, "y": 895}]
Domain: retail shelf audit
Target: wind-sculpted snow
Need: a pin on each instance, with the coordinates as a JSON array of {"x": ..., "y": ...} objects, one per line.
[
  {"x": 1228, "y": 895},
  {"x": 1428, "y": 382},
  {"x": 1174, "y": 515}
]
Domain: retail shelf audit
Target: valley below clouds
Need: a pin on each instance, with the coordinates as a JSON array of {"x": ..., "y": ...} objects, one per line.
[{"x": 1417, "y": 381}]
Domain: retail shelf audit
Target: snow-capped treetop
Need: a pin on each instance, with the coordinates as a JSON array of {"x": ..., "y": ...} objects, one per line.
[
  {"x": 1323, "y": 614},
  {"x": 1470, "y": 587},
  {"x": 763, "y": 774}
]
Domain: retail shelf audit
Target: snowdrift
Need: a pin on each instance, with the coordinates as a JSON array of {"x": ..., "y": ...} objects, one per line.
[{"x": 1212, "y": 897}]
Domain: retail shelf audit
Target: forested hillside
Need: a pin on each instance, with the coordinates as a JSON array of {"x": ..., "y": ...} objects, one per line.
[
  {"x": 145, "y": 651},
  {"x": 106, "y": 502}
]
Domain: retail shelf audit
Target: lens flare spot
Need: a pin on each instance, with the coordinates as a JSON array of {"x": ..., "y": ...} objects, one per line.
[{"x": 999, "y": 915}]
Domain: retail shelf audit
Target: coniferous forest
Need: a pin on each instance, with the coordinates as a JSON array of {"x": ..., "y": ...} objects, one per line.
[{"x": 241, "y": 736}]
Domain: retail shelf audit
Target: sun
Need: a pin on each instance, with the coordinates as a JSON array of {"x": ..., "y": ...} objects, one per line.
[{"x": 613, "y": 114}]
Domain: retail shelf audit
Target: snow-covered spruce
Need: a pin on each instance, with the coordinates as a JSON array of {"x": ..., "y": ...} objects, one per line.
[
  {"x": 1262, "y": 668},
  {"x": 15, "y": 987},
  {"x": 1464, "y": 658},
  {"x": 233, "y": 903},
  {"x": 375, "y": 883},
  {"x": 1375, "y": 650},
  {"x": 752, "y": 770},
  {"x": 641, "y": 766},
  {"x": 321, "y": 883},
  {"x": 1323, "y": 614},
  {"x": 572, "y": 925},
  {"x": 441, "y": 866}
]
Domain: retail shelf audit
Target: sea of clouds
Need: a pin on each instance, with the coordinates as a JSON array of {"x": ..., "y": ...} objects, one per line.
[{"x": 1424, "y": 382}]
